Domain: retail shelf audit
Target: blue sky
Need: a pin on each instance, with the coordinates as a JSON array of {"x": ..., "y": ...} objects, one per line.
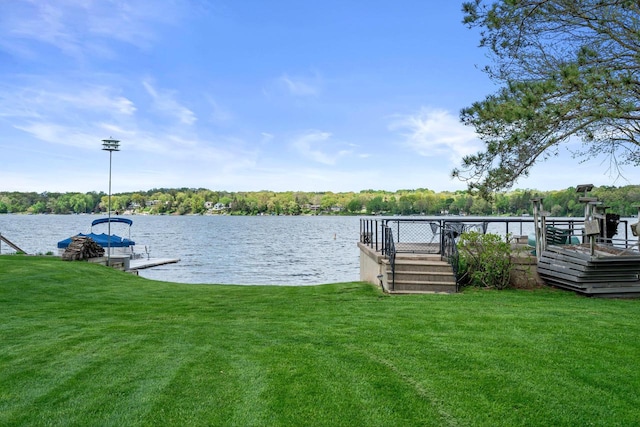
[{"x": 244, "y": 95}]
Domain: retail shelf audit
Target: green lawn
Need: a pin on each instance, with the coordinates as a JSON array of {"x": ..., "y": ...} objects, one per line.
[{"x": 81, "y": 344}]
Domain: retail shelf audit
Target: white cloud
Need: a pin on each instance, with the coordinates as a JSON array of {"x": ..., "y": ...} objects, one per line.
[
  {"x": 59, "y": 134},
  {"x": 165, "y": 103},
  {"x": 68, "y": 115},
  {"x": 81, "y": 116},
  {"x": 124, "y": 106},
  {"x": 98, "y": 99},
  {"x": 36, "y": 101},
  {"x": 41, "y": 22},
  {"x": 266, "y": 137},
  {"x": 310, "y": 146},
  {"x": 298, "y": 86},
  {"x": 80, "y": 28},
  {"x": 218, "y": 113},
  {"x": 433, "y": 132}
]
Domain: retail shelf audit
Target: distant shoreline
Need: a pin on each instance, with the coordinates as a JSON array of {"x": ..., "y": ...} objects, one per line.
[{"x": 422, "y": 201}]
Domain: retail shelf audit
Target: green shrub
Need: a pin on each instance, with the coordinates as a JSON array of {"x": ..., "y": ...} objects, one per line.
[{"x": 485, "y": 260}]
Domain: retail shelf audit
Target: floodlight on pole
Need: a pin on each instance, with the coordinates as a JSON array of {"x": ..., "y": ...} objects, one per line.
[{"x": 110, "y": 145}]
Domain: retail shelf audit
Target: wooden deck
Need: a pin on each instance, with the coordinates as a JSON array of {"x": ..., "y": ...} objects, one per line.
[{"x": 608, "y": 272}]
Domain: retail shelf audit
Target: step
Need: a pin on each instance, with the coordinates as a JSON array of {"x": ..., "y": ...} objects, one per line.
[
  {"x": 421, "y": 273},
  {"x": 423, "y": 264},
  {"x": 424, "y": 286},
  {"x": 420, "y": 276},
  {"x": 406, "y": 292},
  {"x": 423, "y": 267},
  {"x": 419, "y": 257}
]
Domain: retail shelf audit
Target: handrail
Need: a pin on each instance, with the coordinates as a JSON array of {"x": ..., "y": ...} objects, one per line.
[
  {"x": 390, "y": 252},
  {"x": 450, "y": 248}
]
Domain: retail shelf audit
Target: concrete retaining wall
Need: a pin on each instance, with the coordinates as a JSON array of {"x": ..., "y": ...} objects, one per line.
[
  {"x": 371, "y": 265},
  {"x": 524, "y": 274}
]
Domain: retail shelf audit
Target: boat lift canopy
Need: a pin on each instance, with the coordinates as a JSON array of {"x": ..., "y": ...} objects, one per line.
[{"x": 115, "y": 219}]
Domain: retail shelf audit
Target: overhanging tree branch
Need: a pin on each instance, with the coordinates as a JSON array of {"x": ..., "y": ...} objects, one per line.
[{"x": 569, "y": 70}]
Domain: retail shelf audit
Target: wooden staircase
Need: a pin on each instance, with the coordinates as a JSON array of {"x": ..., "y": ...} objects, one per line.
[{"x": 416, "y": 274}]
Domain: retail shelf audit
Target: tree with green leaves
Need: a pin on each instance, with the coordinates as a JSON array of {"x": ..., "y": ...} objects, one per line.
[{"x": 567, "y": 69}]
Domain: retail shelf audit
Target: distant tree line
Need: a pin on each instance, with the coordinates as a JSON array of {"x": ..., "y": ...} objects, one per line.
[{"x": 183, "y": 201}]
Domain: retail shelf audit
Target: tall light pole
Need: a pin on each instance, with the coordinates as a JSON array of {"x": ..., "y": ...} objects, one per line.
[{"x": 110, "y": 145}]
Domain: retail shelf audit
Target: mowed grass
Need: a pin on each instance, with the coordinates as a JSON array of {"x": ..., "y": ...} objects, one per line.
[{"x": 82, "y": 344}]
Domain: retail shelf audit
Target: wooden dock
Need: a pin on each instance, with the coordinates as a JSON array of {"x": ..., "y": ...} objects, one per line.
[
  {"x": 142, "y": 263},
  {"x": 608, "y": 272},
  {"x": 124, "y": 263}
]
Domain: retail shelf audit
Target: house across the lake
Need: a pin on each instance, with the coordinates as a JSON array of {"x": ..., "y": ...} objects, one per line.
[{"x": 215, "y": 207}]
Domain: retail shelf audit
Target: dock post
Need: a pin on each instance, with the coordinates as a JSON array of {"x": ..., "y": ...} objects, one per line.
[
  {"x": 637, "y": 227},
  {"x": 538, "y": 225},
  {"x": 585, "y": 189}
]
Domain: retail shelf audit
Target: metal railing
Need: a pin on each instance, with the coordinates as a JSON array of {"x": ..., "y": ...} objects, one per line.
[
  {"x": 389, "y": 250},
  {"x": 391, "y": 236},
  {"x": 412, "y": 234},
  {"x": 369, "y": 233},
  {"x": 449, "y": 252},
  {"x": 417, "y": 235}
]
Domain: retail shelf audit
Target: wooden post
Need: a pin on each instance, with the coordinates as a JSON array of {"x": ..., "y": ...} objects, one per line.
[
  {"x": 592, "y": 237},
  {"x": 11, "y": 244},
  {"x": 584, "y": 189},
  {"x": 537, "y": 208},
  {"x": 543, "y": 229},
  {"x": 637, "y": 227},
  {"x": 600, "y": 214}
]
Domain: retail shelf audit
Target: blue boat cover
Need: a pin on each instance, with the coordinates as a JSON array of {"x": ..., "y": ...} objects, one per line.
[{"x": 101, "y": 239}]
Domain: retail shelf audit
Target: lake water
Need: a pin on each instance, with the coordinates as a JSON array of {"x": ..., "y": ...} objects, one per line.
[
  {"x": 272, "y": 250},
  {"x": 278, "y": 250}
]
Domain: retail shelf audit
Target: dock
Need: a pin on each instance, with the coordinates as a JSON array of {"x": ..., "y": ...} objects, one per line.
[
  {"x": 608, "y": 272},
  {"x": 142, "y": 263},
  {"x": 124, "y": 263}
]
